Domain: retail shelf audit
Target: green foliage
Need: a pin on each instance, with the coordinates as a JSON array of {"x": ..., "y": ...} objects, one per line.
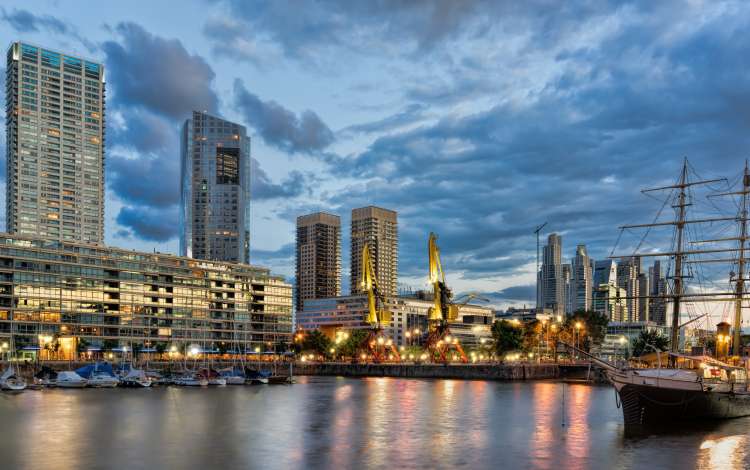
[
  {"x": 82, "y": 345},
  {"x": 317, "y": 342},
  {"x": 109, "y": 344},
  {"x": 160, "y": 347},
  {"x": 507, "y": 336},
  {"x": 642, "y": 344},
  {"x": 594, "y": 327},
  {"x": 352, "y": 345}
]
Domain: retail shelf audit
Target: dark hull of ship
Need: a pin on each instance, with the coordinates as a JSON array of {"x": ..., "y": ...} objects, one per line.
[{"x": 647, "y": 407}]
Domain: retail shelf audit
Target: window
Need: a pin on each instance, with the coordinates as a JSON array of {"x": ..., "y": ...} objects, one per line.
[{"x": 227, "y": 165}]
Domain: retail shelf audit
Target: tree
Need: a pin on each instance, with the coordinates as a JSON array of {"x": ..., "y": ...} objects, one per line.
[
  {"x": 592, "y": 331},
  {"x": 317, "y": 342},
  {"x": 161, "y": 348},
  {"x": 350, "y": 347},
  {"x": 507, "y": 336},
  {"x": 82, "y": 345},
  {"x": 647, "y": 340}
]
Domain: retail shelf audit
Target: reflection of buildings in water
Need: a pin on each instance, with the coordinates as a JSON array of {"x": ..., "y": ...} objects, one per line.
[
  {"x": 379, "y": 418},
  {"x": 726, "y": 453},
  {"x": 545, "y": 403},
  {"x": 577, "y": 439}
]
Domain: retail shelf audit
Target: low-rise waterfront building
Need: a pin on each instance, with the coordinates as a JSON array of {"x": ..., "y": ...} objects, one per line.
[
  {"x": 54, "y": 294},
  {"x": 408, "y": 314}
]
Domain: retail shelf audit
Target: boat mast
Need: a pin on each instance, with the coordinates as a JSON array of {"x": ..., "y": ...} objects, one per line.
[
  {"x": 740, "y": 286},
  {"x": 677, "y": 294}
]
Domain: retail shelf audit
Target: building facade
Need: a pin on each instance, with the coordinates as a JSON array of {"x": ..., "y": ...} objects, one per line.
[
  {"x": 582, "y": 280},
  {"x": 318, "y": 257},
  {"x": 628, "y": 271},
  {"x": 408, "y": 314},
  {"x": 551, "y": 279},
  {"x": 605, "y": 272},
  {"x": 215, "y": 190},
  {"x": 379, "y": 228},
  {"x": 658, "y": 288},
  {"x": 62, "y": 292},
  {"x": 610, "y": 301},
  {"x": 55, "y": 129}
]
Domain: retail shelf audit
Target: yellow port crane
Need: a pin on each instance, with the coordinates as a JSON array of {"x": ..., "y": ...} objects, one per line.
[
  {"x": 376, "y": 346},
  {"x": 439, "y": 339}
]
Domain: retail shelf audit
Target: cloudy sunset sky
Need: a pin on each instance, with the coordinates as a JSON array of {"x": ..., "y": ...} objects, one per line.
[{"x": 476, "y": 120}]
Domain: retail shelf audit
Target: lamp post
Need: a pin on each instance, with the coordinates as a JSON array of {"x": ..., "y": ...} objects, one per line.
[{"x": 578, "y": 336}]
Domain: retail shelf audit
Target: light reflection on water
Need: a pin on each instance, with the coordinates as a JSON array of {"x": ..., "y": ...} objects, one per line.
[{"x": 347, "y": 423}]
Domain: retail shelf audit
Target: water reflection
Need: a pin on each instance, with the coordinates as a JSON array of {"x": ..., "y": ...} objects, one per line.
[{"x": 348, "y": 423}]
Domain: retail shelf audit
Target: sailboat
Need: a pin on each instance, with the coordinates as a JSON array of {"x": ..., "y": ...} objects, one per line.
[
  {"x": 98, "y": 375},
  {"x": 9, "y": 379},
  {"x": 689, "y": 387}
]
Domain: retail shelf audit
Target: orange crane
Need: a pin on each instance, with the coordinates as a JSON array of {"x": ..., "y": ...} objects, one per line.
[
  {"x": 376, "y": 346},
  {"x": 439, "y": 339}
]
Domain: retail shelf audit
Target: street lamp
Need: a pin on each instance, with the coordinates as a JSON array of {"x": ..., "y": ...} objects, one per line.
[{"x": 578, "y": 335}]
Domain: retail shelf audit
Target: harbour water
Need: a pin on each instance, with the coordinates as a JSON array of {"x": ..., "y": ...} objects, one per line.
[{"x": 328, "y": 422}]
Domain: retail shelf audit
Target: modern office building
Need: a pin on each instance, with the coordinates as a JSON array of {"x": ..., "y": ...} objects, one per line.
[
  {"x": 318, "y": 270},
  {"x": 644, "y": 288},
  {"x": 551, "y": 280},
  {"x": 55, "y": 294},
  {"x": 610, "y": 301},
  {"x": 605, "y": 272},
  {"x": 215, "y": 190},
  {"x": 408, "y": 314},
  {"x": 379, "y": 228},
  {"x": 582, "y": 280},
  {"x": 55, "y": 131},
  {"x": 628, "y": 271},
  {"x": 658, "y": 289}
]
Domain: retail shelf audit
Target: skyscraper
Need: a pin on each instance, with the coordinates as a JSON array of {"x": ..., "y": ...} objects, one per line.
[
  {"x": 379, "y": 228},
  {"x": 552, "y": 282},
  {"x": 55, "y": 145},
  {"x": 605, "y": 272},
  {"x": 658, "y": 287},
  {"x": 582, "y": 280},
  {"x": 643, "y": 303},
  {"x": 627, "y": 278},
  {"x": 318, "y": 269},
  {"x": 215, "y": 189}
]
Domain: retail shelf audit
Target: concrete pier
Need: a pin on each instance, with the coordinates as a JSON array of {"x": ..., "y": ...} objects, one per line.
[{"x": 433, "y": 371}]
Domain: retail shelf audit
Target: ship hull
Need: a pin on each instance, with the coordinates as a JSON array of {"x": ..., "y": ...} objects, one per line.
[{"x": 646, "y": 407}]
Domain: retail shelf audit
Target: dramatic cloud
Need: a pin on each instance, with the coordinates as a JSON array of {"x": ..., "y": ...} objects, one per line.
[
  {"x": 145, "y": 181},
  {"x": 148, "y": 70},
  {"x": 261, "y": 186},
  {"x": 280, "y": 127},
  {"x": 24, "y": 21},
  {"x": 149, "y": 224}
]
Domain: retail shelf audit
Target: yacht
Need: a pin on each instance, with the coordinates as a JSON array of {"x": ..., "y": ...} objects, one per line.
[
  {"x": 12, "y": 382},
  {"x": 69, "y": 379}
]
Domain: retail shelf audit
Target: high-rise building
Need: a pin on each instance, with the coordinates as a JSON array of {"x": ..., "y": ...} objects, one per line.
[
  {"x": 605, "y": 272},
  {"x": 643, "y": 303},
  {"x": 658, "y": 288},
  {"x": 379, "y": 228},
  {"x": 318, "y": 269},
  {"x": 627, "y": 279},
  {"x": 582, "y": 280},
  {"x": 55, "y": 145},
  {"x": 215, "y": 189},
  {"x": 551, "y": 279}
]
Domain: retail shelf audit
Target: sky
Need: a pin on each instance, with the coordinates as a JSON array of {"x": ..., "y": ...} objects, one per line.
[{"x": 476, "y": 120}]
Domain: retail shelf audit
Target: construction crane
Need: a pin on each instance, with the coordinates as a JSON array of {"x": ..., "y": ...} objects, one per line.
[
  {"x": 439, "y": 339},
  {"x": 376, "y": 346}
]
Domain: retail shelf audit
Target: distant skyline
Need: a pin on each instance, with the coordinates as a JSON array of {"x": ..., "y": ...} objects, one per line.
[{"x": 477, "y": 120}]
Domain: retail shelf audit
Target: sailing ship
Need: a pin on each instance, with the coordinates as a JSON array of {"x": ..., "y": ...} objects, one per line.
[{"x": 690, "y": 387}]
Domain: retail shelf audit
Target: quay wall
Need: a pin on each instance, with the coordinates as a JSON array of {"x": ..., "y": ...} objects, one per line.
[{"x": 433, "y": 371}]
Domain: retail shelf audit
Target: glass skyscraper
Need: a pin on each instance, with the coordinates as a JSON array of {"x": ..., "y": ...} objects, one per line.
[
  {"x": 215, "y": 188},
  {"x": 55, "y": 145}
]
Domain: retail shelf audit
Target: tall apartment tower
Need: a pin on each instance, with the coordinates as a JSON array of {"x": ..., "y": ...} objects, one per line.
[
  {"x": 644, "y": 310},
  {"x": 318, "y": 269},
  {"x": 215, "y": 190},
  {"x": 582, "y": 280},
  {"x": 627, "y": 278},
  {"x": 379, "y": 228},
  {"x": 658, "y": 288},
  {"x": 55, "y": 145},
  {"x": 552, "y": 282}
]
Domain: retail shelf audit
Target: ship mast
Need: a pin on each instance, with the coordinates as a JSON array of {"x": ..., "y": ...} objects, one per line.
[
  {"x": 680, "y": 226},
  {"x": 679, "y": 253},
  {"x": 741, "y": 265}
]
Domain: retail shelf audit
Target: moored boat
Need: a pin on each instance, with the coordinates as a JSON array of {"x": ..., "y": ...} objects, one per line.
[
  {"x": 136, "y": 378},
  {"x": 10, "y": 381},
  {"x": 69, "y": 379}
]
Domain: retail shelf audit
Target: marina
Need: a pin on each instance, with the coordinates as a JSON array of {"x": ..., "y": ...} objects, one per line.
[{"x": 327, "y": 422}]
